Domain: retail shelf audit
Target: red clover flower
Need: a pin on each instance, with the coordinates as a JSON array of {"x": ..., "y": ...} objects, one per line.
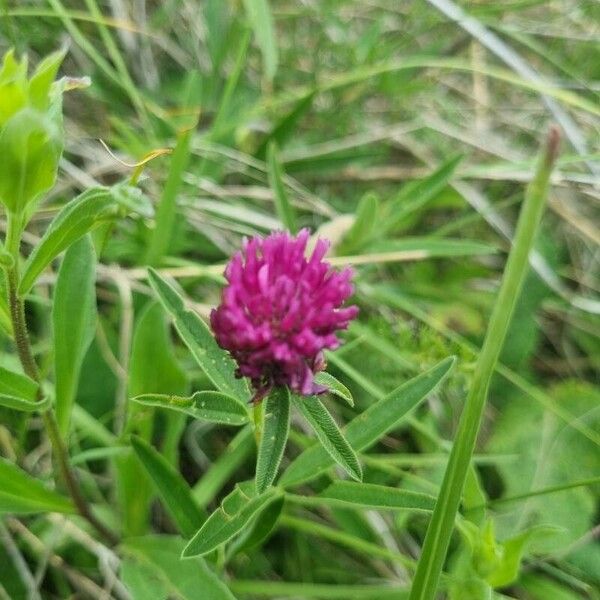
[{"x": 280, "y": 310}]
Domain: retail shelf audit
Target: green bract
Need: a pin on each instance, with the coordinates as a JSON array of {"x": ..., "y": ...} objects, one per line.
[{"x": 31, "y": 133}]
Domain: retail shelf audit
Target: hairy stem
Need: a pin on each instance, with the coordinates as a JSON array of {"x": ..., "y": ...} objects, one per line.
[
  {"x": 21, "y": 337},
  {"x": 258, "y": 412}
]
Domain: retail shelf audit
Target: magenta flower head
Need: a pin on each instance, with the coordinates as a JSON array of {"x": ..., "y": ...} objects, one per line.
[{"x": 279, "y": 310}]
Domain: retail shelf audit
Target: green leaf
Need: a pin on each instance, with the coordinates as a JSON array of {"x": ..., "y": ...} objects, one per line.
[
  {"x": 43, "y": 78},
  {"x": 236, "y": 511},
  {"x": 24, "y": 405},
  {"x": 31, "y": 144},
  {"x": 13, "y": 86},
  {"x": 172, "y": 488},
  {"x": 415, "y": 195},
  {"x": 430, "y": 247},
  {"x": 287, "y": 125},
  {"x": 329, "y": 434},
  {"x": 364, "y": 225},
  {"x": 16, "y": 384},
  {"x": 335, "y": 387},
  {"x": 142, "y": 580},
  {"x": 285, "y": 210},
  {"x": 274, "y": 437},
  {"x": 215, "y": 407},
  {"x": 261, "y": 529},
  {"x": 363, "y": 431},
  {"x": 261, "y": 20},
  {"x": 507, "y": 571},
  {"x": 74, "y": 220},
  {"x": 153, "y": 366},
  {"x": 381, "y": 497},
  {"x": 228, "y": 461},
  {"x": 184, "y": 580},
  {"x": 572, "y": 457},
  {"x": 74, "y": 323},
  {"x": 22, "y": 494},
  {"x": 214, "y": 361}
]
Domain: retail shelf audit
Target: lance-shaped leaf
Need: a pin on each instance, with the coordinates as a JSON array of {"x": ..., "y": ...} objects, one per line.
[
  {"x": 22, "y": 494},
  {"x": 74, "y": 220},
  {"x": 23, "y": 404},
  {"x": 274, "y": 437},
  {"x": 335, "y": 387},
  {"x": 172, "y": 488},
  {"x": 329, "y": 434},
  {"x": 74, "y": 323},
  {"x": 16, "y": 384},
  {"x": 380, "y": 497},
  {"x": 214, "y": 361},
  {"x": 285, "y": 210},
  {"x": 207, "y": 405},
  {"x": 261, "y": 21},
  {"x": 363, "y": 431},
  {"x": 235, "y": 512}
]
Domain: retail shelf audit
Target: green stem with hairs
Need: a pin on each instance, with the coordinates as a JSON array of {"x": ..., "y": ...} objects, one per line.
[
  {"x": 30, "y": 368},
  {"x": 258, "y": 413},
  {"x": 440, "y": 528}
]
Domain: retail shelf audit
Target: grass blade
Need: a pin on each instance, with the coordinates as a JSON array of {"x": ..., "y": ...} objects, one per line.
[
  {"x": 261, "y": 19},
  {"x": 440, "y": 528},
  {"x": 285, "y": 210}
]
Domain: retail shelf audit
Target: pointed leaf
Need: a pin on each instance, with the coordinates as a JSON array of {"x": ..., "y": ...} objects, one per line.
[
  {"x": 16, "y": 384},
  {"x": 236, "y": 511},
  {"x": 329, "y": 434},
  {"x": 261, "y": 529},
  {"x": 381, "y": 497},
  {"x": 42, "y": 79},
  {"x": 285, "y": 210},
  {"x": 417, "y": 194},
  {"x": 74, "y": 323},
  {"x": 214, "y": 361},
  {"x": 74, "y": 220},
  {"x": 208, "y": 406},
  {"x": 335, "y": 387},
  {"x": 286, "y": 126},
  {"x": 22, "y": 494},
  {"x": 364, "y": 224},
  {"x": 24, "y": 405},
  {"x": 363, "y": 431},
  {"x": 261, "y": 20},
  {"x": 172, "y": 488},
  {"x": 274, "y": 437}
]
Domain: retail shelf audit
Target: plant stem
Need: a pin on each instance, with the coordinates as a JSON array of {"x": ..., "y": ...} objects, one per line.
[
  {"x": 440, "y": 528},
  {"x": 70, "y": 480},
  {"x": 258, "y": 413},
  {"x": 17, "y": 314}
]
